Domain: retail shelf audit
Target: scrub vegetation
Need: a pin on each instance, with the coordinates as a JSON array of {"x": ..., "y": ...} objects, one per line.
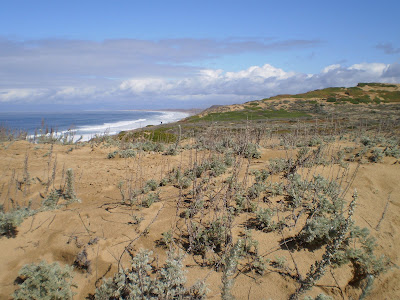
[{"x": 280, "y": 198}]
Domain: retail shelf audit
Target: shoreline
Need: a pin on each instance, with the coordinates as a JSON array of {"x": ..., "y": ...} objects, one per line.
[
  {"x": 190, "y": 111},
  {"x": 100, "y": 123},
  {"x": 142, "y": 123}
]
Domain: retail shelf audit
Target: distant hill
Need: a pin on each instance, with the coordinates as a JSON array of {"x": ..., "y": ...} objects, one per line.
[{"x": 366, "y": 95}]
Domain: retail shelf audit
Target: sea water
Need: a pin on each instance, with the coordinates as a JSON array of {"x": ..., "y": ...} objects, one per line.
[{"x": 86, "y": 124}]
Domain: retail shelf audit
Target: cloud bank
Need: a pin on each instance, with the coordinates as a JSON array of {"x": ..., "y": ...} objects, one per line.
[
  {"x": 157, "y": 74},
  {"x": 209, "y": 87},
  {"x": 260, "y": 81}
]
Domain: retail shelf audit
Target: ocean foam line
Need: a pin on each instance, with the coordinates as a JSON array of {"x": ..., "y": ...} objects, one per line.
[
  {"x": 115, "y": 128},
  {"x": 106, "y": 126},
  {"x": 85, "y": 133}
]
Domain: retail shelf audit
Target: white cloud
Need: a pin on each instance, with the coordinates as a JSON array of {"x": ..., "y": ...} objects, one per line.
[
  {"x": 372, "y": 68},
  {"x": 259, "y": 81},
  {"x": 330, "y": 68},
  {"x": 209, "y": 86},
  {"x": 9, "y": 95},
  {"x": 255, "y": 72},
  {"x": 56, "y": 61},
  {"x": 147, "y": 73},
  {"x": 71, "y": 92},
  {"x": 251, "y": 81}
]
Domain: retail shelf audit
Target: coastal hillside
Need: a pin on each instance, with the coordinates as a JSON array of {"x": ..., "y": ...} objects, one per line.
[
  {"x": 286, "y": 105},
  {"x": 329, "y": 100},
  {"x": 290, "y": 197}
]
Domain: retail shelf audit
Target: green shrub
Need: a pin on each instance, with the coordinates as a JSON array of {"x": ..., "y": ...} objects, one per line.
[
  {"x": 278, "y": 165},
  {"x": 275, "y": 189},
  {"x": 135, "y": 282},
  {"x": 211, "y": 236},
  {"x": 159, "y": 147},
  {"x": 229, "y": 269},
  {"x": 377, "y": 155},
  {"x": 392, "y": 151},
  {"x": 260, "y": 176},
  {"x": 45, "y": 281},
  {"x": 367, "y": 141},
  {"x": 280, "y": 261},
  {"x": 52, "y": 199},
  {"x": 127, "y": 153},
  {"x": 258, "y": 265},
  {"x": 147, "y": 146},
  {"x": 315, "y": 141},
  {"x": 150, "y": 199},
  {"x": 164, "y": 181},
  {"x": 171, "y": 278},
  {"x": 358, "y": 248},
  {"x": 264, "y": 221},
  {"x": 132, "y": 283},
  {"x": 9, "y": 221},
  {"x": 217, "y": 167},
  {"x": 319, "y": 297},
  {"x": 250, "y": 151},
  {"x": 243, "y": 203},
  {"x": 69, "y": 190},
  {"x": 167, "y": 238},
  {"x": 136, "y": 219},
  {"x": 255, "y": 190},
  {"x": 228, "y": 159},
  {"x": 112, "y": 154},
  {"x": 171, "y": 151},
  {"x": 152, "y": 184},
  {"x": 184, "y": 183},
  {"x": 320, "y": 230}
]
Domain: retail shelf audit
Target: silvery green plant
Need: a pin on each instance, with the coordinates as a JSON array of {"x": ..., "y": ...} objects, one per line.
[
  {"x": 264, "y": 219},
  {"x": 128, "y": 153},
  {"x": 260, "y": 175},
  {"x": 167, "y": 238},
  {"x": 69, "y": 190},
  {"x": 318, "y": 269},
  {"x": 152, "y": 184},
  {"x": 136, "y": 281},
  {"x": 367, "y": 287},
  {"x": 250, "y": 151},
  {"x": 367, "y": 141},
  {"x": 392, "y": 151},
  {"x": 255, "y": 190},
  {"x": 231, "y": 261},
  {"x": 9, "y": 221},
  {"x": 171, "y": 278},
  {"x": 172, "y": 150},
  {"x": 45, "y": 281},
  {"x": 112, "y": 154},
  {"x": 131, "y": 283},
  {"x": 213, "y": 235},
  {"x": 243, "y": 203},
  {"x": 150, "y": 199},
  {"x": 377, "y": 155},
  {"x": 358, "y": 249},
  {"x": 278, "y": 165},
  {"x": 319, "y": 297},
  {"x": 52, "y": 199}
]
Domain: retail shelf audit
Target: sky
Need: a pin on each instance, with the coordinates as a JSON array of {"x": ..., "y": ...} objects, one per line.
[{"x": 60, "y": 55}]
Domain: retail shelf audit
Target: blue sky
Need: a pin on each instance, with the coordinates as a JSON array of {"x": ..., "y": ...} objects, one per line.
[{"x": 161, "y": 54}]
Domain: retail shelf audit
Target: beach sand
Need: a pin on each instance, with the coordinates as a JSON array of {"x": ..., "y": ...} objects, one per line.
[{"x": 102, "y": 226}]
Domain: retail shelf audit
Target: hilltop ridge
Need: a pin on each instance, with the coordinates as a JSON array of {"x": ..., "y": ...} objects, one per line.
[{"x": 305, "y": 104}]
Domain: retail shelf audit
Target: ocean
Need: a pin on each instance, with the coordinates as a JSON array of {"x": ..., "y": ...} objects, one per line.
[{"x": 86, "y": 124}]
